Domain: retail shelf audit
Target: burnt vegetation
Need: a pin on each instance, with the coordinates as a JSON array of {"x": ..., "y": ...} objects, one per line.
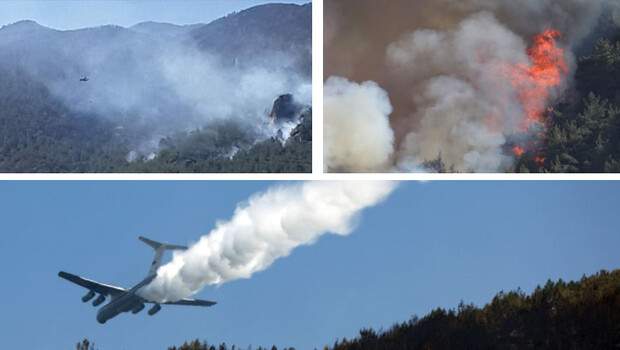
[{"x": 583, "y": 129}]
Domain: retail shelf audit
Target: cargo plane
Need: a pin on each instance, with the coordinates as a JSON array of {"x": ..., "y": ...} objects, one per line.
[{"x": 125, "y": 300}]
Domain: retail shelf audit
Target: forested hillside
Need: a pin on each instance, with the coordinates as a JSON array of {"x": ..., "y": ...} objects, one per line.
[
  {"x": 582, "y": 132},
  {"x": 583, "y": 314},
  {"x": 38, "y": 133},
  {"x": 201, "y": 152},
  {"x": 558, "y": 315},
  {"x": 246, "y": 35},
  {"x": 158, "y": 97}
]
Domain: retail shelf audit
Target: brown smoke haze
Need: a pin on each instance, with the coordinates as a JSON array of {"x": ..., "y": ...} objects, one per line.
[{"x": 438, "y": 70}]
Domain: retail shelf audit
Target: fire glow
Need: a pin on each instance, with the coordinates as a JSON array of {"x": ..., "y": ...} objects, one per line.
[
  {"x": 534, "y": 82},
  {"x": 518, "y": 151}
]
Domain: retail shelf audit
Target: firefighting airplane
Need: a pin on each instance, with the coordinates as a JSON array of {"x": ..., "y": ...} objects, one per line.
[{"x": 125, "y": 300}]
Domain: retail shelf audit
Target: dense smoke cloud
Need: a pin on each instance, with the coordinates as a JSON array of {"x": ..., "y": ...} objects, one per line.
[
  {"x": 180, "y": 88},
  {"x": 460, "y": 92},
  {"x": 443, "y": 64},
  {"x": 269, "y": 226},
  {"x": 179, "y": 84},
  {"x": 357, "y": 134}
]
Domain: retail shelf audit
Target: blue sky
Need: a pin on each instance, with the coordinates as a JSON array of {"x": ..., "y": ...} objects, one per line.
[
  {"x": 71, "y": 14},
  {"x": 430, "y": 244}
]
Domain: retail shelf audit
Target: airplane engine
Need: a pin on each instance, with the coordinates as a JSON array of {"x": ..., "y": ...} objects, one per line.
[
  {"x": 88, "y": 296},
  {"x": 154, "y": 309},
  {"x": 137, "y": 309},
  {"x": 100, "y": 299}
]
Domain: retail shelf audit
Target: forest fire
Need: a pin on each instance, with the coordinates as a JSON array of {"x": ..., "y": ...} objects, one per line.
[
  {"x": 534, "y": 81},
  {"x": 518, "y": 151},
  {"x": 540, "y": 161}
]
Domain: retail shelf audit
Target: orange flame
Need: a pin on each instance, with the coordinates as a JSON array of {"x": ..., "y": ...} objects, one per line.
[
  {"x": 540, "y": 161},
  {"x": 535, "y": 80},
  {"x": 518, "y": 151}
]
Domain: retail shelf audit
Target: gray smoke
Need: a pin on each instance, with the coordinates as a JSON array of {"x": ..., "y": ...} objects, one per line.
[{"x": 464, "y": 104}]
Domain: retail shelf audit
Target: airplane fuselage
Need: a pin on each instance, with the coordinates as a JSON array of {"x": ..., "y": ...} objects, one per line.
[{"x": 123, "y": 303}]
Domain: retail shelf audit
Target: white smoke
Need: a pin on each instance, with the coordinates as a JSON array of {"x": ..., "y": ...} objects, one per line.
[
  {"x": 218, "y": 92},
  {"x": 269, "y": 226},
  {"x": 444, "y": 65},
  {"x": 465, "y": 104},
  {"x": 184, "y": 88},
  {"x": 357, "y": 133}
]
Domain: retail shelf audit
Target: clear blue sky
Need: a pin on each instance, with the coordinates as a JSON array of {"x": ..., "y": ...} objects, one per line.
[
  {"x": 63, "y": 14},
  {"x": 430, "y": 244}
]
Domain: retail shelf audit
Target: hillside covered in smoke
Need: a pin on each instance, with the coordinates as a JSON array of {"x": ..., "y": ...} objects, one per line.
[
  {"x": 472, "y": 86},
  {"x": 233, "y": 95}
]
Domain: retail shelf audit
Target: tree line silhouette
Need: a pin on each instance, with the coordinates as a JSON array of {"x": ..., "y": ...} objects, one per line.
[{"x": 582, "y": 314}]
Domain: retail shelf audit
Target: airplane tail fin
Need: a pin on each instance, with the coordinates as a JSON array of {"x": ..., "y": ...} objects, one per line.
[
  {"x": 156, "y": 245},
  {"x": 159, "y": 248}
]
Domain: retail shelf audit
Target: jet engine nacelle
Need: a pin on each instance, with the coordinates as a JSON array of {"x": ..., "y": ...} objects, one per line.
[
  {"x": 100, "y": 299},
  {"x": 137, "y": 309},
  {"x": 88, "y": 296},
  {"x": 154, "y": 309}
]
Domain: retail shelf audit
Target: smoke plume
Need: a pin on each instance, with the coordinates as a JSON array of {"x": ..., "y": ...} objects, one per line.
[
  {"x": 463, "y": 77},
  {"x": 180, "y": 88},
  {"x": 357, "y": 133},
  {"x": 269, "y": 226}
]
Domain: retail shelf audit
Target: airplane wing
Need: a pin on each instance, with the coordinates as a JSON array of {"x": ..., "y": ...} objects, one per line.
[
  {"x": 100, "y": 288},
  {"x": 189, "y": 302},
  {"x": 193, "y": 302}
]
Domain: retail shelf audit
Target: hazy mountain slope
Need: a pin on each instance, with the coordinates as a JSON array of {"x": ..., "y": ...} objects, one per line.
[
  {"x": 151, "y": 82},
  {"x": 200, "y": 152},
  {"x": 39, "y": 134},
  {"x": 168, "y": 30},
  {"x": 148, "y": 84},
  {"x": 285, "y": 29}
]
